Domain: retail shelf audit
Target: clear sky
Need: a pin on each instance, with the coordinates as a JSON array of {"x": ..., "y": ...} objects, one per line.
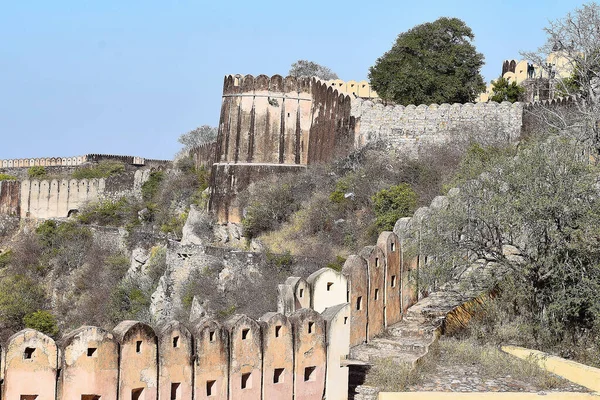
[{"x": 129, "y": 76}]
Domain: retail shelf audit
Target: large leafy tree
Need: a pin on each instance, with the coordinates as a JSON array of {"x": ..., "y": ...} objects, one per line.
[{"x": 435, "y": 62}]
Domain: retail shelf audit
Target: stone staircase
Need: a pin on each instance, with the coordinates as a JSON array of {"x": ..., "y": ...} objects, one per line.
[
  {"x": 444, "y": 311},
  {"x": 408, "y": 341}
]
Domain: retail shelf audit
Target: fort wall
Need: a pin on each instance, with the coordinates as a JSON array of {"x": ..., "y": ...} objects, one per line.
[
  {"x": 269, "y": 125},
  {"x": 58, "y": 198},
  {"x": 300, "y": 354},
  {"x": 10, "y": 195},
  {"x": 408, "y": 127},
  {"x": 204, "y": 155},
  {"x": 357, "y": 89},
  {"x": 79, "y": 160}
]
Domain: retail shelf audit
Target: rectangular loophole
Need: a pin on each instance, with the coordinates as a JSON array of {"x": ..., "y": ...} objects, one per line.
[
  {"x": 377, "y": 262},
  {"x": 246, "y": 382},
  {"x": 278, "y": 375},
  {"x": 92, "y": 352},
  {"x": 90, "y": 397},
  {"x": 301, "y": 294},
  {"x": 211, "y": 336},
  {"x": 28, "y": 354},
  {"x": 176, "y": 341},
  {"x": 136, "y": 394},
  {"x": 359, "y": 303},
  {"x": 345, "y": 320},
  {"x": 245, "y": 333},
  {"x": 175, "y": 389},
  {"x": 138, "y": 346},
  {"x": 393, "y": 283},
  {"x": 310, "y": 327},
  {"x": 392, "y": 246},
  {"x": 329, "y": 285},
  {"x": 309, "y": 374},
  {"x": 277, "y": 330},
  {"x": 376, "y": 294},
  {"x": 210, "y": 388}
]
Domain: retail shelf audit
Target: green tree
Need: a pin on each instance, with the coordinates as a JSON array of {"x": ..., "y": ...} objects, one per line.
[
  {"x": 42, "y": 321},
  {"x": 19, "y": 296},
  {"x": 6, "y": 177},
  {"x": 305, "y": 68},
  {"x": 392, "y": 204},
  {"x": 36, "y": 172},
  {"x": 434, "y": 62},
  {"x": 505, "y": 91}
]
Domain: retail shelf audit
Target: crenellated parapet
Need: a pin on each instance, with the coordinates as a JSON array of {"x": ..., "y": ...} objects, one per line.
[
  {"x": 281, "y": 120},
  {"x": 58, "y": 198},
  {"x": 76, "y": 161},
  {"x": 43, "y": 162},
  {"x": 278, "y": 356},
  {"x": 360, "y": 89},
  {"x": 538, "y": 115}
]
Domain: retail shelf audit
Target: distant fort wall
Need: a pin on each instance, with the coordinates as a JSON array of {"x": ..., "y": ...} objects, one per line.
[
  {"x": 407, "y": 126},
  {"x": 78, "y": 160},
  {"x": 356, "y": 89},
  {"x": 204, "y": 155},
  {"x": 59, "y": 198}
]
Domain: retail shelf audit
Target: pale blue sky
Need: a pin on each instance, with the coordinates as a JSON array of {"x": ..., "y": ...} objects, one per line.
[{"x": 128, "y": 77}]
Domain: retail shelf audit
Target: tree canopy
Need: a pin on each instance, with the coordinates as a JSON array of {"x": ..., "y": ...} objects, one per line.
[
  {"x": 434, "y": 62},
  {"x": 308, "y": 68},
  {"x": 505, "y": 91}
]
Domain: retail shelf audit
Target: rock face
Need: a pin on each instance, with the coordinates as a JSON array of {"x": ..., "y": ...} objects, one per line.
[{"x": 197, "y": 228}]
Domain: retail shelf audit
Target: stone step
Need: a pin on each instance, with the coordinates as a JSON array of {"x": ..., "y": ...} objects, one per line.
[{"x": 416, "y": 344}]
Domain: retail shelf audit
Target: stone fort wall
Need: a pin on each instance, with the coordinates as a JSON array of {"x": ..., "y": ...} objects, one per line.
[
  {"x": 58, "y": 198},
  {"x": 79, "y": 160},
  {"x": 406, "y": 127},
  {"x": 299, "y": 352},
  {"x": 272, "y": 125}
]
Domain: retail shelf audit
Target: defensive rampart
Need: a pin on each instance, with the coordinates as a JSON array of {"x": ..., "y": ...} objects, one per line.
[
  {"x": 271, "y": 125},
  {"x": 10, "y": 195},
  {"x": 274, "y": 124},
  {"x": 204, "y": 155},
  {"x": 78, "y": 160},
  {"x": 60, "y": 198},
  {"x": 407, "y": 127},
  {"x": 558, "y": 112},
  {"x": 299, "y": 352}
]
